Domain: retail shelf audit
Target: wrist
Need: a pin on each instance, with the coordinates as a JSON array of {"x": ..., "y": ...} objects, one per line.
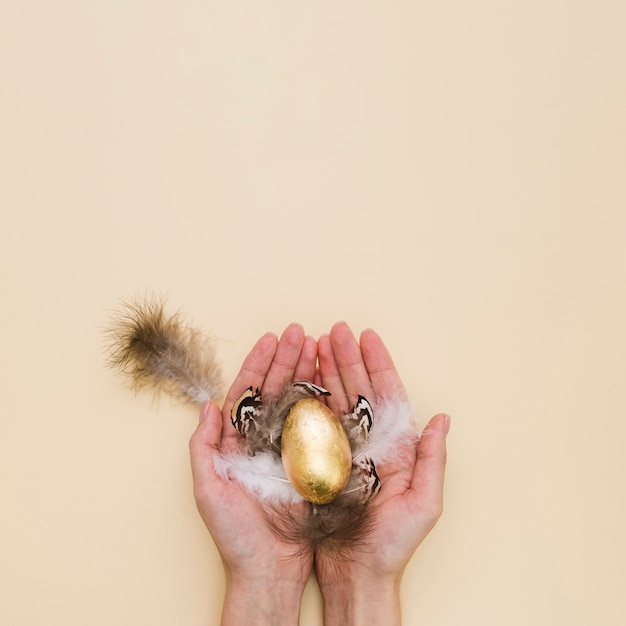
[
  {"x": 261, "y": 601},
  {"x": 362, "y": 602}
]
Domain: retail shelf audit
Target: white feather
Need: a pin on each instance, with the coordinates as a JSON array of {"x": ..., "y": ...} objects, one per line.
[
  {"x": 394, "y": 423},
  {"x": 261, "y": 475}
]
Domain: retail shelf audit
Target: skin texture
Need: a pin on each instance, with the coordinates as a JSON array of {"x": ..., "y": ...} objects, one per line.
[
  {"x": 264, "y": 580},
  {"x": 265, "y": 577},
  {"x": 364, "y": 587}
]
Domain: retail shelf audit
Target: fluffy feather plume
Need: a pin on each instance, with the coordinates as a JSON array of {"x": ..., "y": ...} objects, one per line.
[
  {"x": 161, "y": 352},
  {"x": 268, "y": 428},
  {"x": 394, "y": 423},
  {"x": 262, "y": 476},
  {"x": 259, "y": 469},
  {"x": 344, "y": 522},
  {"x": 337, "y": 528}
]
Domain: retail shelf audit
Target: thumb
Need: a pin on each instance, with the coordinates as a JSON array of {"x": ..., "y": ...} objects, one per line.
[
  {"x": 205, "y": 443},
  {"x": 430, "y": 466}
]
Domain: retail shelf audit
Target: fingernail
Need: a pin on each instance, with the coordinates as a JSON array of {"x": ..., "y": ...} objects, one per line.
[{"x": 446, "y": 425}]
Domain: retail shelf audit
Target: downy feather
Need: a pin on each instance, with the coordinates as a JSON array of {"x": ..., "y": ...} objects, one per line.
[
  {"x": 266, "y": 433},
  {"x": 394, "y": 422},
  {"x": 161, "y": 352},
  {"x": 344, "y": 523},
  {"x": 337, "y": 528},
  {"x": 262, "y": 475}
]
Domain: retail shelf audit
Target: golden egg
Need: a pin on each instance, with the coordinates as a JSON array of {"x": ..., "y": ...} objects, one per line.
[{"x": 315, "y": 451}]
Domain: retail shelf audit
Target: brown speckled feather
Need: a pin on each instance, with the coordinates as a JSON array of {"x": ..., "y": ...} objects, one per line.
[{"x": 162, "y": 353}]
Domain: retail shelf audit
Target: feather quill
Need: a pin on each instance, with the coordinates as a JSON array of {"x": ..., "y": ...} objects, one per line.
[{"x": 161, "y": 352}]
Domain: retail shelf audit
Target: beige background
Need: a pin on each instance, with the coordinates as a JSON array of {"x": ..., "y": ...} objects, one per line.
[{"x": 451, "y": 174}]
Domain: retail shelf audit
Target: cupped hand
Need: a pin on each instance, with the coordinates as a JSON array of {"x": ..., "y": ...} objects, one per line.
[
  {"x": 411, "y": 498},
  {"x": 256, "y": 562}
]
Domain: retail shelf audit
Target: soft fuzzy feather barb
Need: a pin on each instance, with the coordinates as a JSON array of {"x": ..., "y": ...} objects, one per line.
[
  {"x": 161, "y": 352},
  {"x": 345, "y": 522}
]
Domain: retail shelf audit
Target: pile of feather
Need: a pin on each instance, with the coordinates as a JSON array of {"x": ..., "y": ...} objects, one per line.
[{"x": 154, "y": 350}]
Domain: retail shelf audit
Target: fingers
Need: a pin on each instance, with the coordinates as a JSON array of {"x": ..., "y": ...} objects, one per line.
[
  {"x": 348, "y": 369},
  {"x": 379, "y": 364},
  {"x": 307, "y": 362},
  {"x": 254, "y": 369},
  {"x": 285, "y": 361},
  {"x": 350, "y": 362},
  {"x": 329, "y": 376},
  {"x": 428, "y": 476},
  {"x": 272, "y": 363}
]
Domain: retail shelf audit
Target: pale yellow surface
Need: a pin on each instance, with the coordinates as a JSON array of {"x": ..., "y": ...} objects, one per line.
[{"x": 452, "y": 174}]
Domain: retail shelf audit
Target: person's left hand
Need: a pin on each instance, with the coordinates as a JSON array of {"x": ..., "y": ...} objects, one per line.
[
  {"x": 363, "y": 585},
  {"x": 265, "y": 576}
]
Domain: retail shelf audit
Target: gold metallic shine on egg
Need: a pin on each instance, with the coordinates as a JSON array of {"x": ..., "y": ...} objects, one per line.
[{"x": 315, "y": 451}]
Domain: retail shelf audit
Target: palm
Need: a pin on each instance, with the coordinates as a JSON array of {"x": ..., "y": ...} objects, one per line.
[
  {"x": 237, "y": 521},
  {"x": 408, "y": 505}
]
